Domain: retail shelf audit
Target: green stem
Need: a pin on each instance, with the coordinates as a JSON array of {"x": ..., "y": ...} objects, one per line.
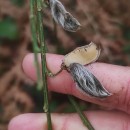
[
  {"x": 35, "y": 43},
  {"x": 43, "y": 62},
  {"x": 81, "y": 114}
]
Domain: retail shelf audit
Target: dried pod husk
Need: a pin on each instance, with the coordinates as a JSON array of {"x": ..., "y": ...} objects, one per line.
[
  {"x": 87, "y": 82},
  {"x": 62, "y": 17},
  {"x": 83, "y": 55}
]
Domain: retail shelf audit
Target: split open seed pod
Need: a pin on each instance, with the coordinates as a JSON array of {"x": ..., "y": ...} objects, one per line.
[
  {"x": 83, "y": 55},
  {"x": 85, "y": 81}
]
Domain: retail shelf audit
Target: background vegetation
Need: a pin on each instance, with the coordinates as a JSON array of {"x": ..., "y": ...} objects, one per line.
[{"x": 104, "y": 21}]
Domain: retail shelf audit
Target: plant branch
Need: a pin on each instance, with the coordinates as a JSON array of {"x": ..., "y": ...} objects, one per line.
[
  {"x": 35, "y": 42},
  {"x": 43, "y": 62},
  {"x": 81, "y": 114}
]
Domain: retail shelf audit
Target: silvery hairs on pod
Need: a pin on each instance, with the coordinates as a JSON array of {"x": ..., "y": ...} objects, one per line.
[
  {"x": 62, "y": 17},
  {"x": 86, "y": 81}
]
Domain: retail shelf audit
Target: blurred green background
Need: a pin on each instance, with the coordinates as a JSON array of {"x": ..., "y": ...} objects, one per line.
[{"x": 105, "y": 21}]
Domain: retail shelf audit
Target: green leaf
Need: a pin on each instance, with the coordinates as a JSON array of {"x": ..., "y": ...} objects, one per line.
[
  {"x": 19, "y": 3},
  {"x": 126, "y": 32},
  {"x": 126, "y": 48},
  {"x": 8, "y": 29}
]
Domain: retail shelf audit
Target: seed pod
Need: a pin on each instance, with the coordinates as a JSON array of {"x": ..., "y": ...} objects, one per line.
[
  {"x": 62, "y": 17},
  {"x": 83, "y": 55},
  {"x": 86, "y": 81}
]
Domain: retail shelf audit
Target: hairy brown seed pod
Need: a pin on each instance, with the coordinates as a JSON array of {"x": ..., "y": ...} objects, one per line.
[
  {"x": 62, "y": 17},
  {"x": 86, "y": 81}
]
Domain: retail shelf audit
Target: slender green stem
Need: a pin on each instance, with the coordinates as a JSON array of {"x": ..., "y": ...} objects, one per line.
[
  {"x": 35, "y": 43},
  {"x": 81, "y": 114},
  {"x": 43, "y": 62}
]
